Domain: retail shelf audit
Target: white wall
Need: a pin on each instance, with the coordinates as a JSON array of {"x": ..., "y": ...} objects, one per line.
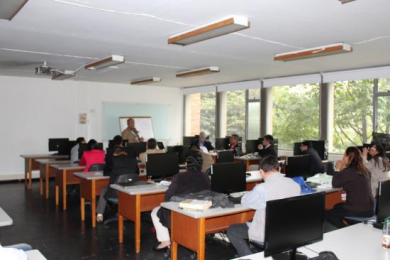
[{"x": 35, "y": 109}]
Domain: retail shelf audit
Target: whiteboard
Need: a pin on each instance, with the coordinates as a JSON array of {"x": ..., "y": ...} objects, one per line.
[{"x": 142, "y": 124}]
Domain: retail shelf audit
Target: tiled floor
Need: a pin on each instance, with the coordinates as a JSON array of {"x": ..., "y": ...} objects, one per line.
[{"x": 61, "y": 235}]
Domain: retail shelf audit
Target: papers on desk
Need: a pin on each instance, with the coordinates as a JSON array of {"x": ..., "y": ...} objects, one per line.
[
  {"x": 164, "y": 183},
  {"x": 195, "y": 204},
  {"x": 320, "y": 179}
]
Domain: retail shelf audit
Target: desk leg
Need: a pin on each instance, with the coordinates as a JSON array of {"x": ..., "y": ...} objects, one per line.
[
  {"x": 64, "y": 185},
  {"x": 82, "y": 207},
  {"x": 137, "y": 225},
  {"x": 47, "y": 182},
  {"x": 120, "y": 229},
  {"x": 41, "y": 185},
  {"x": 25, "y": 172},
  {"x": 57, "y": 194},
  {"x": 93, "y": 214},
  {"x": 30, "y": 170},
  {"x": 174, "y": 250},
  {"x": 201, "y": 239}
]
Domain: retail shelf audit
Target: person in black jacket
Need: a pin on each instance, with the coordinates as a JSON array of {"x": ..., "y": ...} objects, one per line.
[
  {"x": 353, "y": 177},
  {"x": 266, "y": 148},
  {"x": 316, "y": 165},
  {"x": 191, "y": 181},
  {"x": 234, "y": 145},
  {"x": 115, "y": 143}
]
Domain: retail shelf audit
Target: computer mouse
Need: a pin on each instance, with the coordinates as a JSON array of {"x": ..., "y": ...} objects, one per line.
[{"x": 326, "y": 255}]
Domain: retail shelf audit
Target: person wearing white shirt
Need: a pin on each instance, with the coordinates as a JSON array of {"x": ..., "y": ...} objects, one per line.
[
  {"x": 378, "y": 165},
  {"x": 275, "y": 186},
  {"x": 74, "y": 153}
]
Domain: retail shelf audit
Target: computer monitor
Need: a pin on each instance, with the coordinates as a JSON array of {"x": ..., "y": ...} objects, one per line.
[
  {"x": 318, "y": 145},
  {"x": 228, "y": 177},
  {"x": 383, "y": 201},
  {"x": 251, "y": 146},
  {"x": 160, "y": 166},
  {"x": 298, "y": 166},
  {"x": 55, "y": 143},
  {"x": 222, "y": 143},
  {"x": 160, "y": 145},
  {"x": 225, "y": 156},
  {"x": 293, "y": 222},
  {"x": 180, "y": 150},
  {"x": 65, "y": 148},
  {"x": 137, "y": 148},
  {"x": 187, "y": 141}
]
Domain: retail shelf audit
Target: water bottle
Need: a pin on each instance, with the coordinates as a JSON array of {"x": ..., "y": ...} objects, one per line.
[{"x": 386, "y": 234}]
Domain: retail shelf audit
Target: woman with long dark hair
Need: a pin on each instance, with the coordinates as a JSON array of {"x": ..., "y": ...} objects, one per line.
[
  {"x": 378, "y": 165},
  {"x": 354, "y": 178}
]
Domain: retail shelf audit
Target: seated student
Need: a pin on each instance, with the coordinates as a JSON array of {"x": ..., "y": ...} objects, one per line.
[
  {"x": 94, "y": 155},
  {"x": 266, "y": 148},
  {"x": 316, "y": 165},
  {"x": 203, "y": 142},
  {"x": 234, "y": 145},
  {"x": 115, "y": 143},
  {"x": 378, "y": 165},
  {"x": 152, "y": 148},
  {"x": 121, "y": 163},
  {"x": 275, "y": 186},
  {"x": 75, "y": 150},
  {"x": 183, "y": 183},
  {"x": 353, "y": 177}
]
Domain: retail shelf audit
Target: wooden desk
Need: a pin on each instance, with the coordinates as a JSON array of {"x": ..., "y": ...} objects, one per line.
[
  {"x": 188, "y": 228},
  {"x": 5, "y": 219},
  {"x": 134, "y": 200},
  {"x": 46, "y": 173},
  {"x": 65, "y": 176},
  {"x": 30, "y": 165},
  {"x": 91, "y": 184}
]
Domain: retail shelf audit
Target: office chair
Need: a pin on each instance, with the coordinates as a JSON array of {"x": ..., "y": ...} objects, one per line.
[
  {"x": 124, "y": 179},
  {"x": 97, "y": 167}
]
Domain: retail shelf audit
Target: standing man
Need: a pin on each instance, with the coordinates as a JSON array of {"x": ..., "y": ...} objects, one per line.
[
  {"x": 203, "y": 142},
  {"x": 130, "y": 133},
  {"x": 266, "y": 148}
]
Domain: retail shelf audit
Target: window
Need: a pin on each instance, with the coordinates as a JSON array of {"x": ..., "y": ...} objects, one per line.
[
  {"x": 383, "y": 106},
  {"x": 236, "y": 112},
  {"x": 359, "y": 108},
  {"x": 200, "y": 114},
  {"x": 253, "y": 114},
  {"x": 295, "y": 113}
]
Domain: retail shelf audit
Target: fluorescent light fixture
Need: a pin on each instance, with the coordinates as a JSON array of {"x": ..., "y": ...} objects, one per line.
[
  {"x": 212, "y": 30},
  {"x": 198, "y": 71},
  {"x": 145, "y": 81},
  {"x": 9, "y": 8},
  {"x": 105, "y": 62},
  {"x": 346, "y": 1},
  {"x": 314, "y": 52},
  {"x": 62, "y": 75}
]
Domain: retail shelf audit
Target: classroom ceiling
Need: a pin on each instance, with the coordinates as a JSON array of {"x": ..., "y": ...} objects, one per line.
[{"x": 70, "y": 33}]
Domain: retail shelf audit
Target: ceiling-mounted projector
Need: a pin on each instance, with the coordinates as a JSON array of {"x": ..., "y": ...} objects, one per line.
[{"x": 43, "y": 69}]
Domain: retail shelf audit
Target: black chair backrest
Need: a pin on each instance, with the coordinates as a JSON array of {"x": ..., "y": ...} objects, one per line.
[
  {"x": 225, "y": 156},
  {"x": 97, "y": 167}
]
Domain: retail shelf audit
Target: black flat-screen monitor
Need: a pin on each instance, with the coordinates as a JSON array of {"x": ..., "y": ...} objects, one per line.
[
  {"x": 228, "y": 177},
  {"x": 298, "y": 166},
  {"x": 225, "y": 156},
  {"x": 293, "y": 222},
  {"x": 55, "y": 143},
  {"x": 187, "y": 141},
  {"x": 318, "y": 145},
  {"x": 222, "y": 143},
  {"x": 65, "y": 148},
  {"x": 160, "y": 166},
  {"x": 251, "y": 146},
  {"x": 383, "y": 201},
  {"x": 180, "y": 150},
  {"x": 137, "y": 148},
  {"x": 160, "y": 145}
]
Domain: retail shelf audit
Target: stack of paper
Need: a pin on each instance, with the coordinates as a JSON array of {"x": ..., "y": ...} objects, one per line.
[{"x": 195, "y": 204}]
